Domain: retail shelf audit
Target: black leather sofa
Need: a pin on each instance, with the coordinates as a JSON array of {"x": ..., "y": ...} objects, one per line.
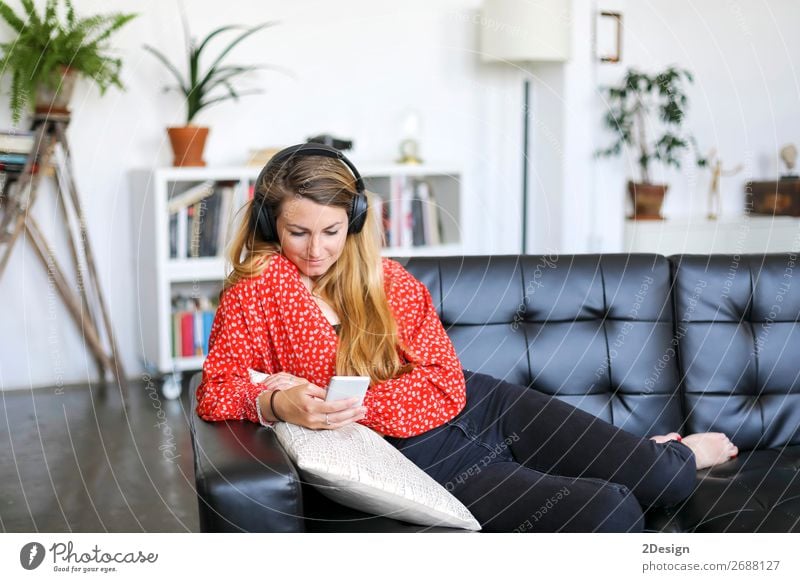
[{"x": 652, "y": 344}]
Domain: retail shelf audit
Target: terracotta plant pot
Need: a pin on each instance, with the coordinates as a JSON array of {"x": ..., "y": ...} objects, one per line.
[
  {"x": 56, "y": 101},
  {"x": 647, "y": 200},
  {"x": 188, "y": 143}
]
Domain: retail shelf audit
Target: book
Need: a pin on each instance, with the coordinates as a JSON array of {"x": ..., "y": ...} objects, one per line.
[
  {"x": 187, "y": 334},
  {"x": 436, "y": 232},
  {"x": 194, "y": 217},
  {"x": 176, "y": 334},
  {"x": 225, "y": 218},
  {"x": 181, "y": 236},
  {"x": 378, "y": 210},
  {"x": 395, "y": 209},
  {"x": 431, "y": 215},
  {"x": 210, "y": 224},
  {"x": 202, "y": 229},
  {"x": 198, "y": 333},
  {"x": 190, "y": 196},
  {"x": 173, "y": 236},
  {"x": 418, "y": 217},
  {"x": 407, "y": 217},
  {"x": 17, "y": 142},
  {"x": 208, "y": 322},
  {"x": 191, "y": 323},
  {"x": 13, "y": 159}
]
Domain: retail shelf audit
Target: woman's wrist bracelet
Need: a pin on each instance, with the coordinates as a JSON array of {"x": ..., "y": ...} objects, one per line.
[{"x": 272, "y": 406}]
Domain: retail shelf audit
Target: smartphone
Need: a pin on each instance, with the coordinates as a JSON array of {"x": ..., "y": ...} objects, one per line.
[{"x": 343, "y": 387}]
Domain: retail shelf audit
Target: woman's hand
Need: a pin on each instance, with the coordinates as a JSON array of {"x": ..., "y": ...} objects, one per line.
[
  {"x": 304, "y": 404},
  {"x": 282, "y": 380}
]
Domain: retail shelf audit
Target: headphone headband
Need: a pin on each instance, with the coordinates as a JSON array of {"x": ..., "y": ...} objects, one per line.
[{"x": 310, "y": 149}]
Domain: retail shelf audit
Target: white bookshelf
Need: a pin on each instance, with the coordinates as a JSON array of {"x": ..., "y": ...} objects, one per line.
[{"x": 161, "y": 277}]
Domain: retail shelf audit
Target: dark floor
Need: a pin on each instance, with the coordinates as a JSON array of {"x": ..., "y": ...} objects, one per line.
[{"x": 71, "y": 460}]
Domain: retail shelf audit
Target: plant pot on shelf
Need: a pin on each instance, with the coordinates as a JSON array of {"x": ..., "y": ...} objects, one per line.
[
  {"x": 647, "y": 200},
  {"x": 55, "y": 100},
  {"x": 188, "y": 143}
]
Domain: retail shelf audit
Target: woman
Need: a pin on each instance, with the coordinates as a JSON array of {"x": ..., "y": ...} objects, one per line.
[{"x": 310, "y": 297}]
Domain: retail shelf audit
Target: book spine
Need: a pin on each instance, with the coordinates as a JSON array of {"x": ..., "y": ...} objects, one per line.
[
  {"x": 226, "y": 203},
  {"x": 194, "y": 230},
  {"x": 208, "y": 322},
  {"x": 198, "y": 333},
  {"x": 418, "y": 224},
  {"x": 182, "y": 235},
  {"x": 187, "y": 334},
  {"x": 407, "y": 215},
  {"x": 176, "y": 336}
]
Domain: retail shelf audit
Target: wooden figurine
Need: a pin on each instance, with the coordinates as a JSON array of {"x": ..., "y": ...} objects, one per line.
[{"x": 714, "y": 201}]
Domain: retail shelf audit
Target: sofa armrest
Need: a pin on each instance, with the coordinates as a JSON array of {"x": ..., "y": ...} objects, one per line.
[{"x": 244, "y": 480}]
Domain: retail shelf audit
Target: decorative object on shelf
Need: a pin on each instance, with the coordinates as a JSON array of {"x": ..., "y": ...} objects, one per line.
[
  {"x": 773, "y": 198},
  {"x": 334, "y": 142},
  {"x": 259, "y": 158},
  {"x": 50, "y": 51},
  {"x": 203, "y": 88},
  {"x": 608, "y": 37},
  {"x": 715, "y": 163},
  {"x": 409, "y": 146},
  {"x": 87, "y": 306},
  {"x": 638, "y": 106},
  {"x": 789, "y": 157},
  {"x": 525, "y": 33}
]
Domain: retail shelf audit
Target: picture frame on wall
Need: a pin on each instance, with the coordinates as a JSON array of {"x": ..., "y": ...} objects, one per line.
[{"x": 608, "y": 37}]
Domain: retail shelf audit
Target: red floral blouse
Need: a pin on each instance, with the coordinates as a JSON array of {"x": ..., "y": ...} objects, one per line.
[{"x": 271, "y": 324}]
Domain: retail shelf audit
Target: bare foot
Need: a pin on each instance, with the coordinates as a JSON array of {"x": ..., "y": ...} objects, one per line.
[
  {"x": 663, "y": 438},
  {"x": 710, "y": 448}
]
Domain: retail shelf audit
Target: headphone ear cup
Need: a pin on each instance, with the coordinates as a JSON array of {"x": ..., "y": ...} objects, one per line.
[
  {"x": 272, "y": 226},
  {"x": 358, "y": 214},
  {"x": 264, "y": 222}
]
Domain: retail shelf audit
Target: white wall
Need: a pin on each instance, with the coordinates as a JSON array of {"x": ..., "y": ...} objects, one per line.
[
  {"x": 745, "y": 101},
  {"x": 357, "y": 66}
]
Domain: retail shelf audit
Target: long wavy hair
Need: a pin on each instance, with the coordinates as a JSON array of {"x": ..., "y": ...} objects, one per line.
[{"x": 368, "y": 340}]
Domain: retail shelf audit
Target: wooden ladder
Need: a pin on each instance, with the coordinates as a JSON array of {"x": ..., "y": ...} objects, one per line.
[{"x": 16, "y": 201}]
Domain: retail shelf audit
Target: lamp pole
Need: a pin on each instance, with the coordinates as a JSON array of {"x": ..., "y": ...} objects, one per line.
[{"x": 525, "y": 157}]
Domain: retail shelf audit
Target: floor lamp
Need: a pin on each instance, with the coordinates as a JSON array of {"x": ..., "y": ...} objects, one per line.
[{"x": 522, "y": 32}]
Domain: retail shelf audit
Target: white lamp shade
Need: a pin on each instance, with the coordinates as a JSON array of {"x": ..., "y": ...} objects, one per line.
[{"x": 525, "y": 30}]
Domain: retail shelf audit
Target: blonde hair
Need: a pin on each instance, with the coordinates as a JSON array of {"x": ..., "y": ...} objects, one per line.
[{"x": 353, "y": 286}]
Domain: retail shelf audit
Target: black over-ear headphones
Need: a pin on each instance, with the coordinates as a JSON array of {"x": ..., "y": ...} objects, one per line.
[{"x": 264, "y": 219}]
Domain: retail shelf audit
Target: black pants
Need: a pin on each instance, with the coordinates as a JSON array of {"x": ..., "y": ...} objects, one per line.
[{"x": 523, "y": 461}]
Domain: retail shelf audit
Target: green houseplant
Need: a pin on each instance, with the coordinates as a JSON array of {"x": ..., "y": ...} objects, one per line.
[
  {"x": 202, "y": 88},
  {"x": 646, "y": 113},
  {"x": 51, "y": 49}
]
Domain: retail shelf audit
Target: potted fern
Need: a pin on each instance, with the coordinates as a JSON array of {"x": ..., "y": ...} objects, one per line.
[
  {"x": 646, "y": 114},
  {"x": 52, "y": 49},
  {"x": 202, "y": 88}
]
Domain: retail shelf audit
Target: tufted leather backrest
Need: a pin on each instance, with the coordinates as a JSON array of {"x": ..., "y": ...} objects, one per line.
[
  {"x": 737, "y": 319},
  {"x": 589, "y": 329}
]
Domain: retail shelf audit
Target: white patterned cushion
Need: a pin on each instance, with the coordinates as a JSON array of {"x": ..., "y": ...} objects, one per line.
[{"x": 354, "y": 466}]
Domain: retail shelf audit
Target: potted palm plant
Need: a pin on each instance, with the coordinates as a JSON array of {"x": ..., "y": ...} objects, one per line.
[
  {"x": 52, "y": 49},
  {"x": 646, "y": 113},
  {"x": 204, "y": 87}
]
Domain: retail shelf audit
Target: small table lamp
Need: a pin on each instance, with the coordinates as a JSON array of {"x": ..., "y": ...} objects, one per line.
[{"x": 522, "y": 32}]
